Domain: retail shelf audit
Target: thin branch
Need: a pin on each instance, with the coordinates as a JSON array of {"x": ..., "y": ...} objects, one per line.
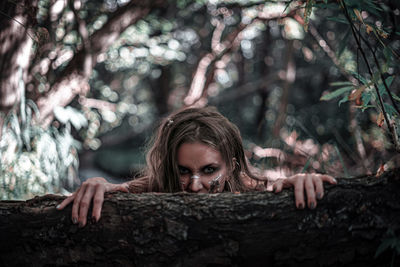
[
  {"x": 391, "y": 129},
  {"x": 289, "y": 78},
  {"x": 217, "y": 34},
  {"x": 86, "y": 45},
  {"x": 24, "y": 26},
  {"x": 247, "y": 5},
  {"x": 325, "y": 46},
  {"x": 73, "y": 81},
  {"x": 246, "y": 89},
  {"x": 199, "y": 80},
  {"x": 381, "y": 75},
  {"x": 97, "y": 103}
]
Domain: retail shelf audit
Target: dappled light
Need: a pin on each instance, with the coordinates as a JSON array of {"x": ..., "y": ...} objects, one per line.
[
  {"x": 199, "y": 133},
  {"x": 311, "y": 86}
]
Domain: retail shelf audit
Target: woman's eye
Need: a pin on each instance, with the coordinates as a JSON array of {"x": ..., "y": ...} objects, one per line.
[
  {"x": 183, "y": 170},
  {"x": 208, "y": 170}
]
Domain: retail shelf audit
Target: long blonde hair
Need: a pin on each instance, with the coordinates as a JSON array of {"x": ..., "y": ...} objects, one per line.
[{"x": 205, "y": 125}]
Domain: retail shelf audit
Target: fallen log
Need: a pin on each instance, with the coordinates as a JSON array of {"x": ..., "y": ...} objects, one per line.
[{"x": 250, "y": 229}]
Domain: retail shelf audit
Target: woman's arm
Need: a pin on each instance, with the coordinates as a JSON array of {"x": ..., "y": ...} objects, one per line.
[{"x": 94, "y": 189}]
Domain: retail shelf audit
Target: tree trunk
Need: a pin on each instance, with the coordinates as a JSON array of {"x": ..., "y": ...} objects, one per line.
[{"x": 252, "y": 229}]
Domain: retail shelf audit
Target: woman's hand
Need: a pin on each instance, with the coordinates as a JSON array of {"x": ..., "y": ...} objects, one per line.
[
  {"x": 311, "y": 183},
  {"x": 91, "y": 189}
]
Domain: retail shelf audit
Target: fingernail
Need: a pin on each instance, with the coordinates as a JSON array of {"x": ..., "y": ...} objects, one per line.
[
  {"x": 75, "y": 220},
  {"x": 94, "y": 221},
  {"x": 81, "y": 225},
  {"x": 301, "y": 206},
  {"x": 58, "y": 207},
  {"x": 312, "y": 205},
  {"x": 319, "y": 196},
  {"x": 335, "y": 180}
]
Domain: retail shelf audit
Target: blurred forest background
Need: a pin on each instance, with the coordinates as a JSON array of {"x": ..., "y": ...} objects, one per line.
[{"x": 312, "y": 85}]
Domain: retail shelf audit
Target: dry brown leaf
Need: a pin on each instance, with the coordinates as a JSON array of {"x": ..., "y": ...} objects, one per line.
[
  {"x": 368, "y": 28},
  {"x": 380, "y": 170},
  {"x": 358, "y": 14},
  {"x": 380, "y": 120},
  {"x": 356, "y": 94}
]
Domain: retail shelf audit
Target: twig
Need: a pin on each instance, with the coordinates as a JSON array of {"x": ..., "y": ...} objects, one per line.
[
  {"x": 198, "y": 82},
  {"x": 25, "y": 27},
  {"x": 391, "y": 129},
  {"x": 329, "y": 52},
  {"x": 86, "y": 45},
  {"x": 381, "y": 75}
]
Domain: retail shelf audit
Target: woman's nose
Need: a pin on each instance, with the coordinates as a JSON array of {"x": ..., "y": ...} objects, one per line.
[{"x": 195, "y": 185}]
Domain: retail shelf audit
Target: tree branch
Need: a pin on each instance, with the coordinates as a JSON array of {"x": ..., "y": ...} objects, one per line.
[
  {"x": 74, "y": 79},
  {"x": 199, "y": 78},
  {"x": 390, "y": 127}
]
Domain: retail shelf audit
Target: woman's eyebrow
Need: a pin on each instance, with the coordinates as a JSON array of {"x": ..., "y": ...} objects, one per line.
[
  {"x": 210, "y": 165},
  {"x": 213, "y": 164},
  {"x": 181, "y": 166}
]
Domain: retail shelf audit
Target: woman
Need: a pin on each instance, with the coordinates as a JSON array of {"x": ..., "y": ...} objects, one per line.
[{"x": 195, "y": 150}]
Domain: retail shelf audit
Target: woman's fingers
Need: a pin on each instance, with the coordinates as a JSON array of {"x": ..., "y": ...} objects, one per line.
[
  {"x": 309, "y": 184},
  {"x": 329, "y": 179},
  {"x": 77, "y": 202},
  {"x": 97, "y": 204},
  {"x": 310, "y": 191},
  {"x": 278, "y": 185},
  {"x": 85, "y": 204},
  {"x": 312, "y": 184},
  {"x": 66, "y": 201},
  {"x": 319, "y": 188},
  {"x": 299, "y": 191},
  {"x": 92, "y": 190},
  {"x": 122, "y": 188}
]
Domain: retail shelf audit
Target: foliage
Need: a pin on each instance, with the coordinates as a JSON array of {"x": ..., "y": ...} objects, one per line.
[
  {"x": 371, "y": 84},
  {"x": 35, "y": 161},
  {"x": 275, "y": 60}
]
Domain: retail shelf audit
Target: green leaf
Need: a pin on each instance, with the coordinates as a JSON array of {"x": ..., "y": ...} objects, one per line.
[
  {"x": 340, "y": 83},
  {"x": 389, "y": 80},
  {"x": 343, "y": 100},
  {"x": 381, "y": 86},
  {"x": 344, "y": 42},
  {"x": 306, "y": 165},
  {"x": 366, "y": 98},
  {"x": 387, "y": 53},
  {"x": 389, "y": 109},
  {"x": 386, "y": 243},
  {"x": 358, "y": 77},
  {"x": 396, "y": 97},
  {"x": 307, "y": 13},
  {"x": 336, "y": 93}
]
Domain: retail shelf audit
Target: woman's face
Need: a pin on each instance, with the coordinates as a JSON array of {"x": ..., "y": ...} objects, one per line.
[{"x": 201, "y": 168}]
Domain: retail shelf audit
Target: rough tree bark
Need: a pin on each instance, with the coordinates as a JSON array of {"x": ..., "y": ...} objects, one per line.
[{"x": 252, "y": 229}]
